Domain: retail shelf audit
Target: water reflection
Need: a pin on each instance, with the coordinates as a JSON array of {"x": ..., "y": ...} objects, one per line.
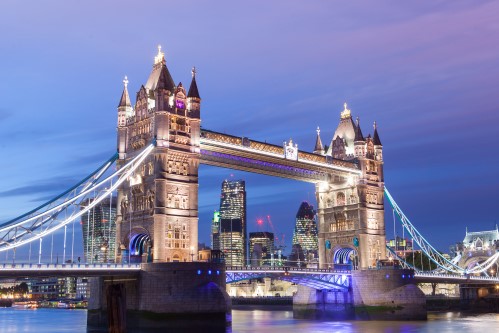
[{"x": 254, "y": 320}]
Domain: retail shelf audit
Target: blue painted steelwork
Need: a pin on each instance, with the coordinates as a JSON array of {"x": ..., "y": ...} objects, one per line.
[
  {"x": 138, "y": 244},
  {"x": 342, "y": 256},
  {"x": 321, "y": 279}
]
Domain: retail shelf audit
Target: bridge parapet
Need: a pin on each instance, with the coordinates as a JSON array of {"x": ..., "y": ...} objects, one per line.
[
  {"x": 454, "y": 278},
  {"x": 29, "y": 270},
  {"x": 288, "y": 269}
]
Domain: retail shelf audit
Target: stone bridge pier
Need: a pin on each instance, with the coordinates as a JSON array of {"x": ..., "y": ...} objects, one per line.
[
  {"x": 165, "y": 296},
  {"x": 389, "y": 294}
]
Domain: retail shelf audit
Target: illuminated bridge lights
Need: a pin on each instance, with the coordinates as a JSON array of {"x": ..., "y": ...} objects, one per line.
[
  {"x": 320, "y": 279},
  {"x": 53, "y": 215}
]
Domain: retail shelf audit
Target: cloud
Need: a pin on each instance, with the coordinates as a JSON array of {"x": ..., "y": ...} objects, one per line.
[{"x": 52, "y": 186}]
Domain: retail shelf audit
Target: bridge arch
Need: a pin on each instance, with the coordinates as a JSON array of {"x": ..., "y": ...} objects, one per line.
[
  {"x": 321, "y": 279},
  {"x": 345, "y": 257},
  {"x": 139, "y": 244}
]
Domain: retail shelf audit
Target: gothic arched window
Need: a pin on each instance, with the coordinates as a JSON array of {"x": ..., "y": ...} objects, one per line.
[{"x": 340, "y": 199}]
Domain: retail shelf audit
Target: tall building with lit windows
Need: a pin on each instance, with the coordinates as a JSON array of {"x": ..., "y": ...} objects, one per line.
[
  {"x": 305, "y": 232},
  {"x": 261, "y": 247},
  {"x": 215, "y": 231},
  {"x": 233, "y": 222},
  {"x": 99, "y": 231}
]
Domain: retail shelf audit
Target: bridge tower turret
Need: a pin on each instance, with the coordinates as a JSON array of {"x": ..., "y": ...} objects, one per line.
[
  {"x": 157, "y": 216},
  {"x": 124, "y": 111},
  {"x": 359, "y": 141},
  {"x": 319, "y": 148}
]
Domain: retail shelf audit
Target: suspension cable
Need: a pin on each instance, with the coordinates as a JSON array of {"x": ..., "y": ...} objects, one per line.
[{"x": 12, "y": 235}]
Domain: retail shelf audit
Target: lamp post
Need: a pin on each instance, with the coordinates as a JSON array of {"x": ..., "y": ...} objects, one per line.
[
  {"x": 192, "y": 253},
  {"x": 104, "y": 249}
]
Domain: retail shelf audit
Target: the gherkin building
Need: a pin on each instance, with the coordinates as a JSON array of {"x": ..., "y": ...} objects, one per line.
[{"x": 305, "y": 232}]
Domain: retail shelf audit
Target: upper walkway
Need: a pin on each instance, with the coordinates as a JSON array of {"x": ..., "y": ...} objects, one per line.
[{"x": 228, "y": 151}]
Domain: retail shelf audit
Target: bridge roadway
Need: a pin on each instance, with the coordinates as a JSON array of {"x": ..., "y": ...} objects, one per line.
[
  {"x": 63, "y": 270},
  {"x": 235, "y": 274},
  {"x": 312, "y": 277}
]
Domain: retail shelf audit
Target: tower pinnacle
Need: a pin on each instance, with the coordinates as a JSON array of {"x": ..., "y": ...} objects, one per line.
[
  {"x": 376, "y": 140},
  {"x": 193, "y": 89},
  {"x": 358, "y": 131},
  {"x": 160, "y": 57},
  {"x": 125, "y": 98},
  {"x": 319, "y": 148},
  {"x": 346, "y": 112}
]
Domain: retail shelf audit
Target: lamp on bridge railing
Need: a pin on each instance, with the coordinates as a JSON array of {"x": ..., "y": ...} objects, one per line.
[{"x": 104, "y": 249}]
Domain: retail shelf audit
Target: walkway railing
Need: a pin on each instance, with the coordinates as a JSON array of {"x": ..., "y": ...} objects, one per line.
[
  {"x": 74, "y": 266},
  {"x": 286, "y": 269}
]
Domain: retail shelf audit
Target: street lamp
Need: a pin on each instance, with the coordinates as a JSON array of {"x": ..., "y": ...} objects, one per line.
[
  {"x": 104, "y": 249},
  {"x": 192, "y": 253}
]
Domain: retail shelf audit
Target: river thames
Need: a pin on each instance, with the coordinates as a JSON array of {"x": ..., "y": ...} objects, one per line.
[{"x": 282, "y": 321}]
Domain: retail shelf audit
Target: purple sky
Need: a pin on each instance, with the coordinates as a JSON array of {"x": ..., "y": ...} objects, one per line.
[{"x": 426, "y": 71}]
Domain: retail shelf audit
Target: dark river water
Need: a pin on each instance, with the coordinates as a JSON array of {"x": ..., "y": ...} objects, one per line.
[{"x": 268, "y": 321}]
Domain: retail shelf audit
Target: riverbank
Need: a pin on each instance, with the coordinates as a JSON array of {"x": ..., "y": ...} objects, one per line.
[
  {"x": 47, "y": 304},
  {"x": 482, "y": 305}
]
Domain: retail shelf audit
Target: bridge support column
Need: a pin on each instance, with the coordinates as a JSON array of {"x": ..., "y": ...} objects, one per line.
[
  {"x": 310, "y": 303},
  {"x": 167, "y": 295},
  {"x": 389, "y": 294}
]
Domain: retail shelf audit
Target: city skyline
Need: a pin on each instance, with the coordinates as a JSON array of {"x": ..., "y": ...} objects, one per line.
[{"x": 432, "y": 95}]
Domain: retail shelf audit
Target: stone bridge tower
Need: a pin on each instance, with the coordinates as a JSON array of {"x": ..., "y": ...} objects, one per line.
[
  {"x": 157, "y": 217},
  {"x": 351, "y": 210}
]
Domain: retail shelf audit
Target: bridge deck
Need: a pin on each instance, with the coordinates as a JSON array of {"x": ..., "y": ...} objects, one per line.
[
  {"x": 73, "y": 270},
  {"x": 454, "y": 278}
]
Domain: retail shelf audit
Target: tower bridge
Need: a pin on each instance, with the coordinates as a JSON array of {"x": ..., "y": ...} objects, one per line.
[
  {"x": 160, "y": 145},
  {"x": 160, "y": 201}
]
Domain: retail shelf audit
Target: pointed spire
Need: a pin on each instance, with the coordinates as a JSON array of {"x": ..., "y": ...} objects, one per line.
[
  {"x": 376, "y": 139},
  {"x": 319, "y": 149},
  {"x": 193, "y": 89},
  {"x": 358, "y": 131},
  {"x": 125, "y": 98},
  {"x": 165, "y": 80}
]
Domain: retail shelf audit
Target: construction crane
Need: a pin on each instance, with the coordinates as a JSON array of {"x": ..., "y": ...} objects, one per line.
[{"x": 278, "y": 241}]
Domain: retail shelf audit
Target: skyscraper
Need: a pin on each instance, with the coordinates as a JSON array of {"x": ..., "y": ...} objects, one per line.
[
  {"x": 305, "y": 232},
  {"x": 215, "y": 231},
  {"x": 99, "y": 231},
  {"x": 233, "y": 222},
  {"x": 261, "y": 246}
]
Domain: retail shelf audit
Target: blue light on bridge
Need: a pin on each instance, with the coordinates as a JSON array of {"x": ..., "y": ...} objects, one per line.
[
  {"x": 218, "y": 272},
  {"x": 387, "y": 276},
  {"x": 199, "y": 272},
  {"x": 209, "y": 272},
  {"x": 403, "y": 276}
]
